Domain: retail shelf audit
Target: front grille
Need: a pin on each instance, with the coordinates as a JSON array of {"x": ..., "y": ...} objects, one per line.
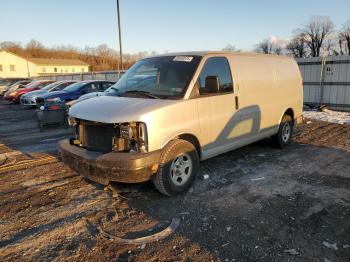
[
  {"x": 96, "y": 136},
  {"x": 40, "y": 101},
  {"x": 25, "y": 101}
]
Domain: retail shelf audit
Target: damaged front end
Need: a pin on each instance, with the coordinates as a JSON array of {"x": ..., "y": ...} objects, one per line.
[
  {"x": 101, "y": 137},
  {"x": 110, "y": 152}
]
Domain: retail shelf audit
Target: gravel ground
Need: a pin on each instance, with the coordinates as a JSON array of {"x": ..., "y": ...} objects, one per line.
[{"x": 257, "y": 203}]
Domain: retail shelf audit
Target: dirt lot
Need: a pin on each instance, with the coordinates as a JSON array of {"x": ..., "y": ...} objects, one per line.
[{"x": 258, "y": 204}]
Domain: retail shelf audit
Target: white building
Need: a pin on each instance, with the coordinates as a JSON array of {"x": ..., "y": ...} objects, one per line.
[{"x": 12, "y": 65}]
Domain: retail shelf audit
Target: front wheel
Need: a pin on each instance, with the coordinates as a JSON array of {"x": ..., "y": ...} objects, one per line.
[
  {"x": 178, "y": 167},
  {"x": 285, "y": 131}
]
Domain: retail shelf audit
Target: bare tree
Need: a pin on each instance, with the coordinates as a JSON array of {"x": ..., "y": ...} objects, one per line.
[
  {"x": 344, "y": 39},
  {"x": 229, "y": 47},
  {"x": 329, "y": 47},
  {"x": 297, "y": 46},
  {"x": 35, "y": 49},
  {"x": 269, "y": 46},
  {"x": 340, "y": 44},
  {"x": 13, "y": 47},
  {"x": 316, "y": 30},
  {"x": 99, "y": 58}
]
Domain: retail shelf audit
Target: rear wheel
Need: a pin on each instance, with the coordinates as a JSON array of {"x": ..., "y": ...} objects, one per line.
[
  {"x": 178, "y": 167},
  {"x": 285, "y": 131}
]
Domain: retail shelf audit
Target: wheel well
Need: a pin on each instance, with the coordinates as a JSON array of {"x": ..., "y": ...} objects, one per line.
[
  {"x": 193, "y": 140},
  {"x": 290, "y": 113}
]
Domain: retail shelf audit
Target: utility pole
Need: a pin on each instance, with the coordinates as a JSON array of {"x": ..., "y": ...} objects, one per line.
[
  {"x": 28, "y": 72},
  {"x": 120, "y": 39}
]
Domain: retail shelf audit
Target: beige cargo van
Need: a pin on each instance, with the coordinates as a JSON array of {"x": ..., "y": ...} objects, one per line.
[{"x": 169, "y": 112}]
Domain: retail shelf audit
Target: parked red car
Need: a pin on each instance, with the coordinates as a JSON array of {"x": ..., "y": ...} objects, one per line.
[{"x": 36, "y": 85}]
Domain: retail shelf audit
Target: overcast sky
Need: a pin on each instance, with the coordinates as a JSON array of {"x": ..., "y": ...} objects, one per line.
[{"x": 161, "y": 25}]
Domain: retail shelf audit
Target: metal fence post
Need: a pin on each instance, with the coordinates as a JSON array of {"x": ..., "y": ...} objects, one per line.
[{"x": 324, "y": 61}]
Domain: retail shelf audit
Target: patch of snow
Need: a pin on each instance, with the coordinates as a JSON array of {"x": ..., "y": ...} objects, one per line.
[
  {"x": 329, "y": 245},
  {"x": 327, "y": 115}
]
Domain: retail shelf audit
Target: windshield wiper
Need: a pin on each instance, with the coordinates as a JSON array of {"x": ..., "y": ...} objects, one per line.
[
  {"x": 108, "y": 93},
  {"x": 114, "y": 88},
  {"x": 145, "y": 93}
]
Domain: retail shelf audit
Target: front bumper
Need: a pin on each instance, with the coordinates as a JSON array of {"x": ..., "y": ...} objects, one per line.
[
  {"x": 113, "y": 166},
  {"x": 8, "y": 97},
  {"x": 2, "y": 90},
  {"x": 27, "y": 101},
  {"x": 16, "y": 99}
]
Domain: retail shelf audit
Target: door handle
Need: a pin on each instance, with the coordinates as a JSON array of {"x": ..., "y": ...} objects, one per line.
[{"x": 237, "y": 102}]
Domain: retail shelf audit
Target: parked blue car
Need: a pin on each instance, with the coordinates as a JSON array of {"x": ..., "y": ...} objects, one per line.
[{"x": 74, "y": 91}]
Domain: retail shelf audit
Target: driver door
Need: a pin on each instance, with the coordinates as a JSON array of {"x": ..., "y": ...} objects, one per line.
[{"x": 216, "y": 106}]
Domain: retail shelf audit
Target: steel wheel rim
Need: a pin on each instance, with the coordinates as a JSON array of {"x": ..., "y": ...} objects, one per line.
[
  {"x": 181, "y": 169},
  {"x": 286, "y": 131}
]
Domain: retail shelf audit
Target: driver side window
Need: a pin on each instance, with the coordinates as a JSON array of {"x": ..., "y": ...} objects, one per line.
[
  {"x": 90, "y": 88},
  {"x": 215, "y": 77}
]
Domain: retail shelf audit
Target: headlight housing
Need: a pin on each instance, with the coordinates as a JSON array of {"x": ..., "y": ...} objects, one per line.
[
  {"x": 54, "y": 99},
  {"x": 122, "y": 137},
  {"x": 130, "y": 137},
  {"x": 72, "y": 121}
]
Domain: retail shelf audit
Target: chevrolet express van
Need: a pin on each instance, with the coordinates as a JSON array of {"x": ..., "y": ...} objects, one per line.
[{"x": 169, "y": 112}]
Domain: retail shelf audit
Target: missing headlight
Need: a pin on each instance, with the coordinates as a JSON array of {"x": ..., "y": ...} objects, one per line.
[
  {"x": 130, "y": 137},
  {"x": 72, "y": 121}
]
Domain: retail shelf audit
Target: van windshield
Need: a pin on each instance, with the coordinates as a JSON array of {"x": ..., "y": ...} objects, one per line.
[{"x": 158, "y": 77}]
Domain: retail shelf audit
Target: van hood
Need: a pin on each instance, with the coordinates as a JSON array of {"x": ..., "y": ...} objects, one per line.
[
  {"x": 110, "y": 109},
  {"x": 91, "y": 95}
]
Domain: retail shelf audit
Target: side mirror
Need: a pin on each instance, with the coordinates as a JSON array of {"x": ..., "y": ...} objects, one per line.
[{"x": 212, "y": 84}]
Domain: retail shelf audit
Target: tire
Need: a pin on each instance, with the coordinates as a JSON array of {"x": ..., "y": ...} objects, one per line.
[
  {"x": 177, "y": 169},
  {"x": 285, "y": 131},
  {"x": 41, "y": 127}
]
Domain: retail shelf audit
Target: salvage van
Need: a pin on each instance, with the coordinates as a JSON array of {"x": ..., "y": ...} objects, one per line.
[{"x": 169, "y": 112}]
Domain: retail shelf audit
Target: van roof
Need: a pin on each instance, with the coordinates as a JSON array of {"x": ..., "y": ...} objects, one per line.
[{"x": 203, "y": 53}]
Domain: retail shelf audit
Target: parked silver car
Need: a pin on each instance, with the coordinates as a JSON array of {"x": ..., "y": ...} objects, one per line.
[{"x": 6, "y": 84}]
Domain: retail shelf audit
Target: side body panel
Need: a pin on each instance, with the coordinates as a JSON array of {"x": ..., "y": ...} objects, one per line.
[
  {"x": 271, "y": 83},
  {"x": 265, "y": 86},
  {"x": 170, "y": 121}
]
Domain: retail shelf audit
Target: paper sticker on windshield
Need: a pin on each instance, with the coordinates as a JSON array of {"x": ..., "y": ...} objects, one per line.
[
  {"x": 178, "y": 90},
  {"x": 183, "y": 58}
]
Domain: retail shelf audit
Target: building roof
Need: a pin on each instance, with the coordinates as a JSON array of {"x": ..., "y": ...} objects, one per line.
[{"x": 52, "y": 61}]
